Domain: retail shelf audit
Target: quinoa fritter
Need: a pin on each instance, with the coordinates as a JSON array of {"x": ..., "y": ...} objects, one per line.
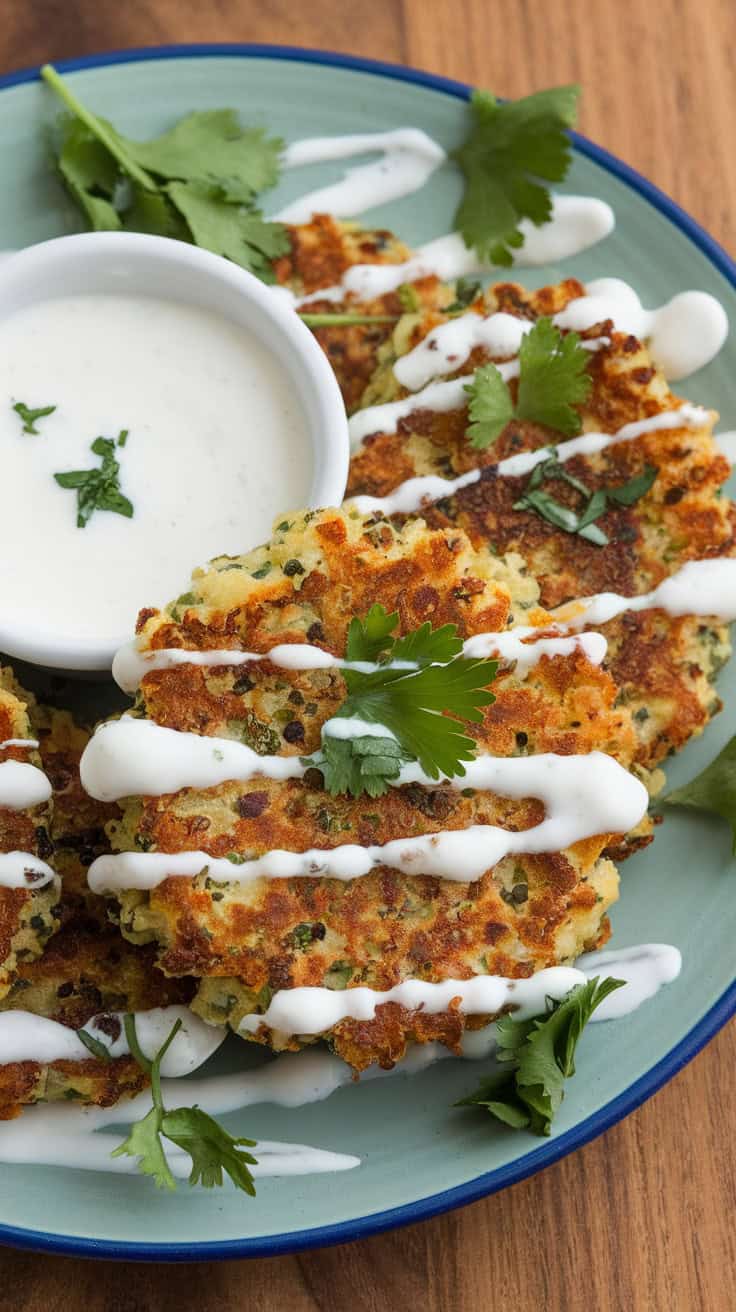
[
  {"x": 28, "y": 916},
  {"x": 664, "y": 667},
  {"x": 243, "y": 941},
  {"x": 87, "y": 968},
  {"x": 321, "y": 252}
]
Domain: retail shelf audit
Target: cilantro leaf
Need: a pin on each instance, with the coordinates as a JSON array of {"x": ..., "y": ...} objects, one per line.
[
  {"x": 490, "y": 408},
  {"x": 553, "y": 378},
  {"x": 426, "y": 645},
  {"x": 511, "y": 151},
  {"x": 359, "y": 765},
  {"x": 211, "y": 1149},
  {"x": 29, "y": 415},
  {"x": 196, "y": 182},
  {"x": 211, "y": 145},
  {"x": 240, "y": 234},
  {"x": 540, "y": 1055},
  {"x": 714, "y": 789},
  {"x": 98, "y": 489},
  {"x": 369, "y": 639},
  {"x": 144, "y": 1142}
]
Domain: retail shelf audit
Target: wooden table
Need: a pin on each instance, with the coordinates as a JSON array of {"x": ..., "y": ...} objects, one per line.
[{"x": 644, "y": 1217}]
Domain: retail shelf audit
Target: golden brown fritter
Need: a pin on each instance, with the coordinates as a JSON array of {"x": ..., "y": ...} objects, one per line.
[
  {"x": 87, "y": 967},
  {"x": 321, "y": 252},
  {"x": 664, "y": 667},
  {"x": 28, "y": 916},
  {"x": 245, "y": 940}
]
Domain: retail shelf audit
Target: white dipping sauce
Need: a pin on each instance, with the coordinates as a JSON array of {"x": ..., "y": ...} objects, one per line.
[{"x": 217, "y": 446}]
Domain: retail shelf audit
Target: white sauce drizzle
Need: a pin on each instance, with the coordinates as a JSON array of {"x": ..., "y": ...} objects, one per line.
[
  {"x": 683, "y": 335},
  {"x": 22, "y": 785},
  {"x": 645, "y": 969},
  {"x": 27, "y": 1037},
  {"x": 440, "y": 397},
  {"x": 314, "y": 1010},
  {"x": 510, "y": 646},
  {"x": 448, "y": 346},
  {"x": 16, "y": 867},
  {"x": 583, "y": 796},
  {"x": 131, "y": 664},
  {"x": 408, "y": 159},
  {"x": 726, "y": 443},
  {"x": 577, "y": 223},
  {"x": 414, "y": 493},
  {"x": 31, "y": 743},
  {"x": 700, "y": 587}
]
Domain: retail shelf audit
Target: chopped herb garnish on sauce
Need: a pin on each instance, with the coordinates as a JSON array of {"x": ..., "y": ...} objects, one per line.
[
  {"x": 212, "y": 1150},
  {"x": 512, "y": 151},
  {"x": 197, "y": 182},
  {"x": 99, "y": 489},
  {"x": 30, "y": 415},
  {"x": 714, "y": 789},
  {"x": 538, "y": 1056},
  {"x": 553, "y": 378},
  {"x": 420, "y": 706}
]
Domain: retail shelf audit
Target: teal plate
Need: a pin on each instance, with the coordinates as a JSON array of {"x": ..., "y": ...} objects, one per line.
[{"x": 419, "y": 1157}]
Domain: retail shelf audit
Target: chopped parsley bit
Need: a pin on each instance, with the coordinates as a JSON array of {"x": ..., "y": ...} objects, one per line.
[
  {"x": 596, "y": 504},
  {"x": 421, "y": 707},
  {"x": 539, "y": 1055},
  {"x": 262, "y": 572},
  {"x": 30, "y": 415},
  {"x": 714, "y": 789},
  {"x": 511, "y": 151},
  {"x": 95, "y": 1046},
  {"x": 210, "y": 1147},
  {"x": 408, "y": 298},
  {"x": 98, "y": 489},
  {"x": 197, "y": 182},
  {"x": 467, "y": 290},
  {"x": 553, "y": 378}
]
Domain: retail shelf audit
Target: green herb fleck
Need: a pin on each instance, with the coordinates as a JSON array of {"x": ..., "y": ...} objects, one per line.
[
  {"x": 98, "y": 489},
  {"x": 596, "y": 504},
  {"x": 30, "y": 415},
  {"x": 94, "y": 1045}
]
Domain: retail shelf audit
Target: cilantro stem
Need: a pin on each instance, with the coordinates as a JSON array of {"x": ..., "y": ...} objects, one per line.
[
  {"x": 158, "y": 1101},
  {"x": 337, "y": 320},
  {"x": 98, "y": 128},
  {"x": 135, "y": 1047}
]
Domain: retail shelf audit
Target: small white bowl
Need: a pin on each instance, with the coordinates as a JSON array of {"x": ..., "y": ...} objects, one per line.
[{"x": 132, "y": 263}]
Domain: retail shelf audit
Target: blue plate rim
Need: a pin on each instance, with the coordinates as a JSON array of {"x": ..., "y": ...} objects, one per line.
[{"x": 678, "y": 1056}]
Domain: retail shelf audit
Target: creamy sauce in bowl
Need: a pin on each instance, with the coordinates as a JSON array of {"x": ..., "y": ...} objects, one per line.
[{"x": 217, "y": 445}]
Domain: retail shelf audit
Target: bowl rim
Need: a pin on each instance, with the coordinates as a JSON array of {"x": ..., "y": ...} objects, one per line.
[
  {"x": 704, "y": 1029},
  {"x": 89, "y": 255}
]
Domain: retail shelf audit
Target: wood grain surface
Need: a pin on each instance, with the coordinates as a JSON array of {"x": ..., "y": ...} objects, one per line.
[{"x": 643, "y": 1218}]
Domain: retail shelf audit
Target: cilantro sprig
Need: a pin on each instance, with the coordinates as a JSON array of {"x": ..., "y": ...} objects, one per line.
[
  {"x": 538, "y": 1056},
  {"x": 99, "y": 489},
  {"x": 714, "y": 789},
  {"x": 30, "y": 415},
  {"x": 581, "y": 522},
  {"x": 212, "y": 1150},
  {"x": 421, "y": 705},
  {"x": 511, "y": 152},
  {"x": 553, "y": 378},
  {"x": 197, "y": 182}
]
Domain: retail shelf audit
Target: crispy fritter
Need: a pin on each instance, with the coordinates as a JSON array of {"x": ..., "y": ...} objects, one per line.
[
  {"x": 87, "y": 967},
  {"x": 321, "y": 252},
  {"x": 245, "y": 940},
  {"x": 28, "y": 916},
  {"x": 664, "y": 667}
]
